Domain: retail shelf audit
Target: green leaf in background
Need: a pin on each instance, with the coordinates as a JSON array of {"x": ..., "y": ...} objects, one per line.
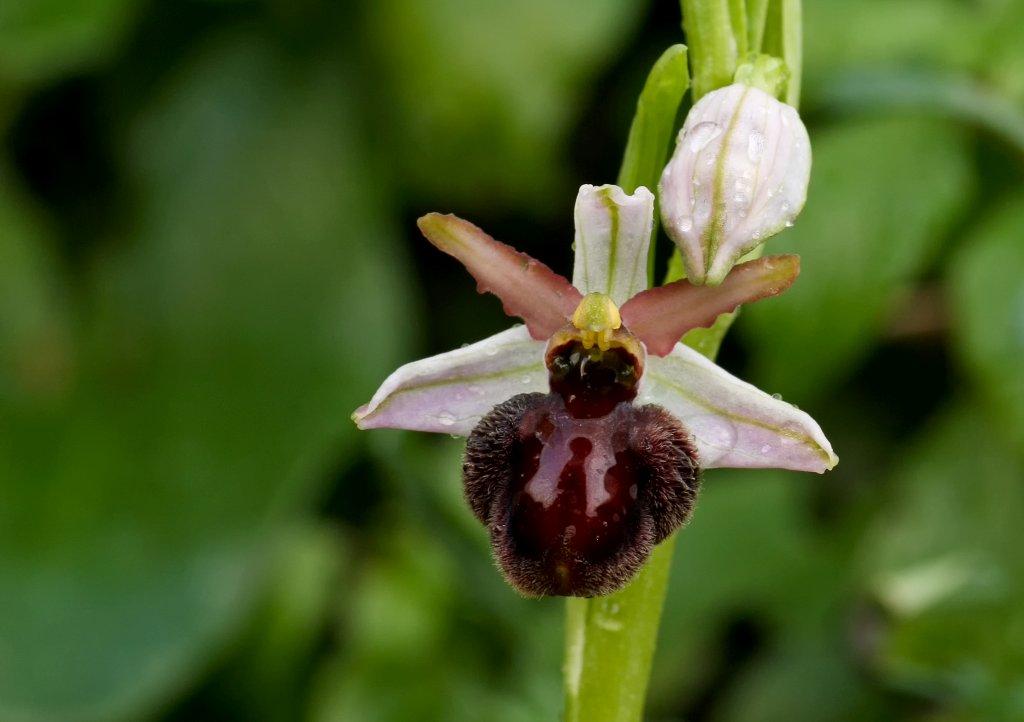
[
  {"x": 40, "y": 38},
  {"x": 223, "y": 343},
  {"x": 987, "y": 287},
  {"x": 34, "y": 342},
  {"x": 883, "y": 195},
  {"x": 846, "y": 34},
  {"x": 398, "y": 621},
  {"x": 805, "y": 679},
  {"x": 945, "y": 562},
  {"x": 981, "y": 42},
  {"x": 429, "y": 628},
  {"x": 485, "y": 92},
  {"x": 750, "y": 549},
  {"x": 955, "y": 96},
  {"x": 1002, "y": 48},
  {"x": 418, "y": 645},
  {"x": 265, "y": 677}
]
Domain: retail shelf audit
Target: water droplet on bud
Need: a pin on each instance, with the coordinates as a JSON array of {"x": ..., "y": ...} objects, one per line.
[
  {"x": 701, "y": 134},
  {"x": 753, "y": 151},
  {"x": 755, "y": 145}
]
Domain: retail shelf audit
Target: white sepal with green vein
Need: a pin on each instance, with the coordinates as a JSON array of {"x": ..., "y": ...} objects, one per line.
[{"x": 613, "y": 234}]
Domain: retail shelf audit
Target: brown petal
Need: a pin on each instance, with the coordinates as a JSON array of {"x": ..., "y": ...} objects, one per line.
[
  {"x": 527, "y": 288},
  {"x": 660, "y": 316}
]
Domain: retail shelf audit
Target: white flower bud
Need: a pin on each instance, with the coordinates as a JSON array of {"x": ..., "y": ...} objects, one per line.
[{"x": 738, "y": 175}]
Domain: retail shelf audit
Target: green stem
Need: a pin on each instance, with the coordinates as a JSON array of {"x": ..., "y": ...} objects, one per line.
[
  {"x": 714, "y": 49},
  {"x": 783, "y": 38},
  {"x": 610, "y": 641},
  {"x": 609, "y": 645},
  {"x": 757, "y": 18}
]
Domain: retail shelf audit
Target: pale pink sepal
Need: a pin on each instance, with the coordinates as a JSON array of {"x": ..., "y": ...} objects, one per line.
[
  {"x": 733, "y": 423},
  {"x": 448, "y": 393}
]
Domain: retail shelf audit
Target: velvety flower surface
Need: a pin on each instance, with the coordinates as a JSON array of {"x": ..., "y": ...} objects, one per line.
[{"x": 589, "y": 424}]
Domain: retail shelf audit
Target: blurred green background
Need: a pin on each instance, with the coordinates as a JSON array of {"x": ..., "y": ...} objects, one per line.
[{"x": 208, "y": 260}]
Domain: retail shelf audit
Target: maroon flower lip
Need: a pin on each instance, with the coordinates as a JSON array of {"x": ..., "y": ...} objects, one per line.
[{"x": 576, "y": 486}]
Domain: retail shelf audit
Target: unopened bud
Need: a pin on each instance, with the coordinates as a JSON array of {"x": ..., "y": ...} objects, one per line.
[{"x": 738, "y": 175}]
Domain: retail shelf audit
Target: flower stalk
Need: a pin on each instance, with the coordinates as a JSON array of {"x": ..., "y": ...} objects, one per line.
[{"x": 610, "y": 640}]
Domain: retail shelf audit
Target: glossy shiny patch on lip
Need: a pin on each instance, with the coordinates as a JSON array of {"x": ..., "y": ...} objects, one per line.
[
  {"x": 594, "y": 380},
  {"x": 575, "y": 505}
]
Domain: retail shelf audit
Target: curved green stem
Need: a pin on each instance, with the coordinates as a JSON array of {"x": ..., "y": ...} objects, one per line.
[
  {"x": 610, "y": 641},
  {"x": 609, "y": 645}
]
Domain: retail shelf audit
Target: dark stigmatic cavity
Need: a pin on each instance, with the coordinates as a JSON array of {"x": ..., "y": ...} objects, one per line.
[
  {"x": 574, "y": 498},
  {"x": 590, "y": 381}
]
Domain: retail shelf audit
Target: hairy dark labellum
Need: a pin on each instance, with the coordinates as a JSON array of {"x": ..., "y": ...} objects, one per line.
[{"x": 578, "y": 485}]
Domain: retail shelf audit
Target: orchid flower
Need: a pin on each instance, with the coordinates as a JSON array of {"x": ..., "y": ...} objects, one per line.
[{"x": 589, "y": 425}]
